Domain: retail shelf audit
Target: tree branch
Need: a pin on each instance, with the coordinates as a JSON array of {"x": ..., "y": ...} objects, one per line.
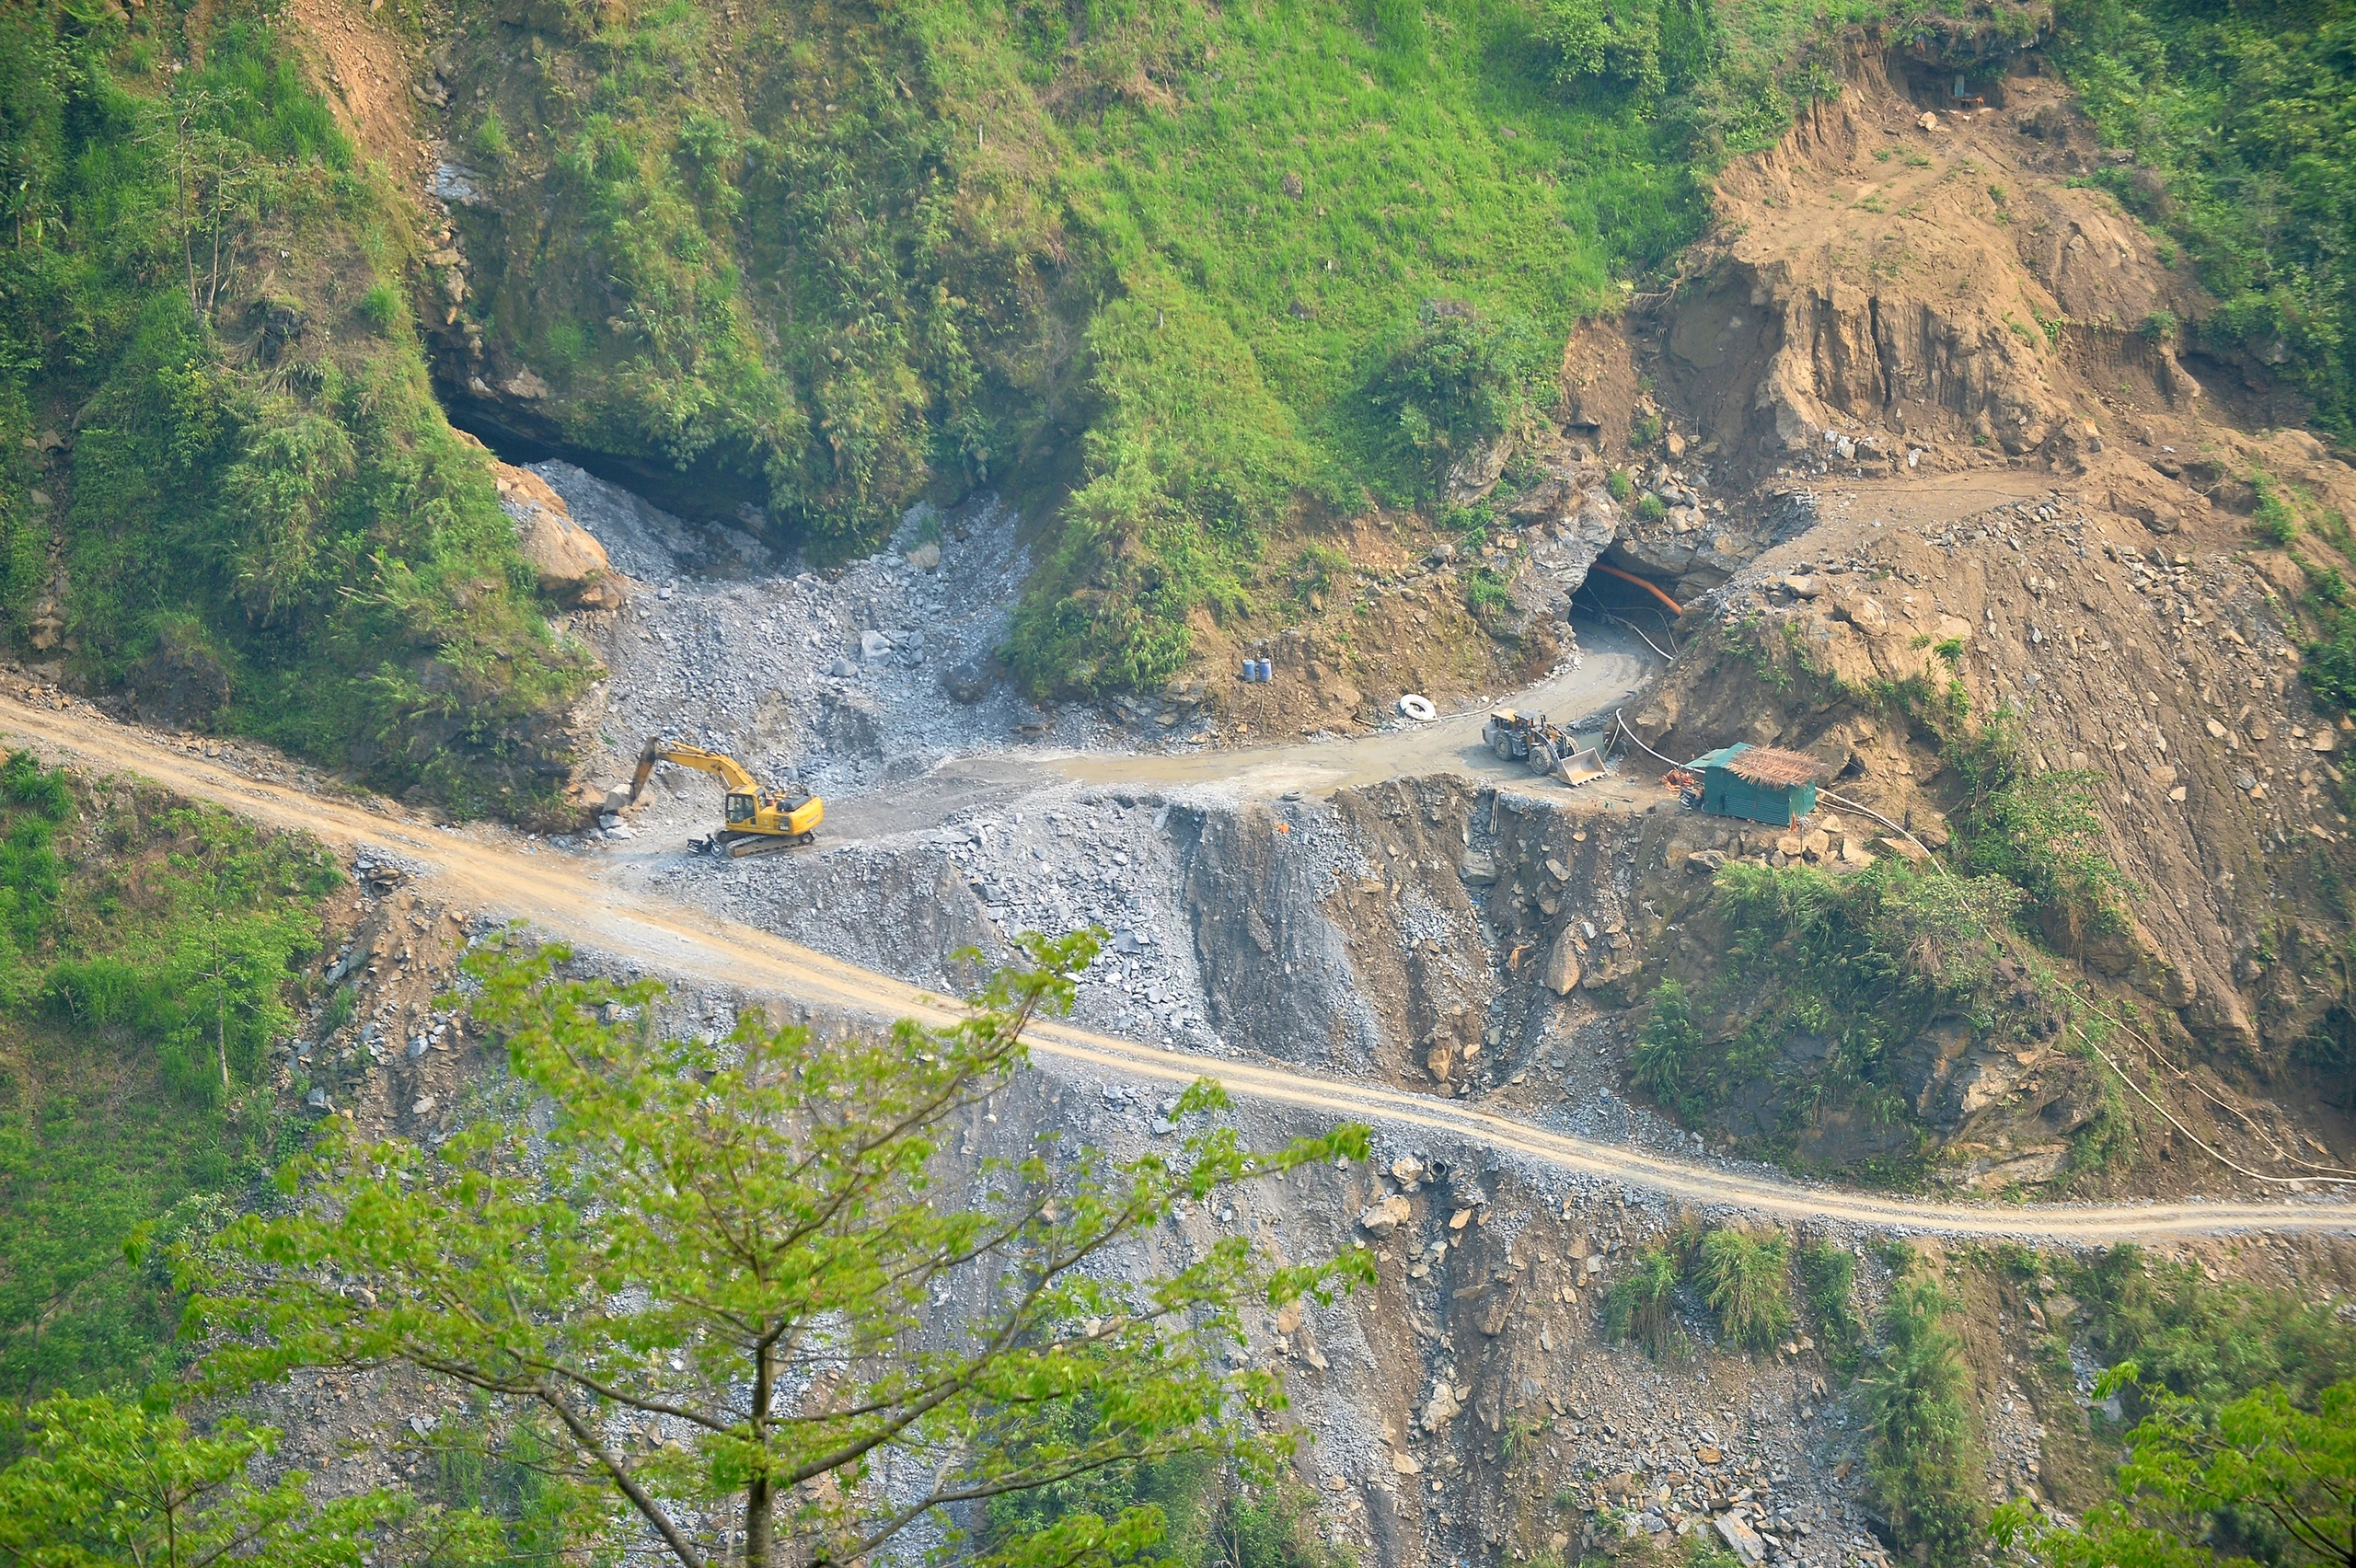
[{"x": 610, "y": 1462}]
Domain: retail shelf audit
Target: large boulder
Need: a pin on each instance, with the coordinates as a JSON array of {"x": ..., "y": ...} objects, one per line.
[
  {"x": 1562, "y": 965},
  {"x": 570, "y": 563}
]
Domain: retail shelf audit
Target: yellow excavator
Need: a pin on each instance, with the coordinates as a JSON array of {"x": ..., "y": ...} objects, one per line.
[{"x": 760, "y": 821}]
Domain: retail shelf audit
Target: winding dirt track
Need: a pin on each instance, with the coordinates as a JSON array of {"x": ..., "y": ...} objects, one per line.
[{"x": 558, "y": 896}]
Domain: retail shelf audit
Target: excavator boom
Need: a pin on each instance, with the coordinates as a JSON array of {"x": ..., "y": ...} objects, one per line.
[{"x": 727, "y": 769}]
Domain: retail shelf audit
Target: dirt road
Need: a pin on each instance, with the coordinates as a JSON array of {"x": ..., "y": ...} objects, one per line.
[
  {"x": 1614, "y": 666},
  {"x": 487, "y": 868}
]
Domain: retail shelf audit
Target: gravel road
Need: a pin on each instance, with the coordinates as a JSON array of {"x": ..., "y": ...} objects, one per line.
[{"x": 566, "y": 897}]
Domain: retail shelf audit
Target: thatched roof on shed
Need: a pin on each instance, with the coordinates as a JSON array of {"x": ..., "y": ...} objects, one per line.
[{"x": 1773, "y": 768}]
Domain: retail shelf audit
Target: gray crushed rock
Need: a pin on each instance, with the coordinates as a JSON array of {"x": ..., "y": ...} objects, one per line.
[{"x": 832, "y": 678}]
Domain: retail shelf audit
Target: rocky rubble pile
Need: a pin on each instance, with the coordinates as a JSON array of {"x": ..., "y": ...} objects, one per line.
[{"x": 842, "y": 679}]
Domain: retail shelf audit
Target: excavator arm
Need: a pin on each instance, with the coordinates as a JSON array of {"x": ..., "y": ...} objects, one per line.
[{"x": 727, "y": 769}]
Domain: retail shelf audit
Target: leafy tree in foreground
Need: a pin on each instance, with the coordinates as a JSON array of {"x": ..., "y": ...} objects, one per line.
[
  {"x": 724, "y": 1287},
  {"x": 109, "y": 1482},
  {"x": 2280, "y": 1480}
]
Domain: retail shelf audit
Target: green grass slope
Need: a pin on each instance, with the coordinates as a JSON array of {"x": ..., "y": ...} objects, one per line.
[
  {"x": 149, "y": 951},
  {"x": 224, "y": 480},
  {"x": 1210, "y": 269}
]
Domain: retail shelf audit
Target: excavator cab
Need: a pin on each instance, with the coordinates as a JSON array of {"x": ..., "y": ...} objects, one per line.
[{"x": 743, "y": 809}]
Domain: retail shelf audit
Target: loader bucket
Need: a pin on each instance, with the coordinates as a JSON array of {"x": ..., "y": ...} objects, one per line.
[{"x": 1581, "y": 766}]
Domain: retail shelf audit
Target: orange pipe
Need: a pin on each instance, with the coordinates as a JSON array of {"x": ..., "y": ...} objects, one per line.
[{"x": 1674, "y": 608}]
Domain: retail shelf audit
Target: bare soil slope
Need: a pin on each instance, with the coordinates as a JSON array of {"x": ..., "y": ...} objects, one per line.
[{"x": 1929, "y": 287}]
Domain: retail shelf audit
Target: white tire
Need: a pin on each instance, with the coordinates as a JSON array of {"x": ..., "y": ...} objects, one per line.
[{"x": 1419, "y": 708}]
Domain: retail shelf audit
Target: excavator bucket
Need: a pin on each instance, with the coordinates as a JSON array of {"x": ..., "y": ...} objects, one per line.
[{"x": 1581, "y": 766}]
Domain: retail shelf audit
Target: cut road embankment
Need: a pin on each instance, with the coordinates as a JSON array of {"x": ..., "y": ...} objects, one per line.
[{"x": 562, "y": 898}]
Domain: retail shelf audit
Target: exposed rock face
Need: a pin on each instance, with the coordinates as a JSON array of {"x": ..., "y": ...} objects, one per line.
[
  {"x": 1562, "y": 965},
  {"x": 181, "y": 685},
  {"x": 572, "y": 565}
]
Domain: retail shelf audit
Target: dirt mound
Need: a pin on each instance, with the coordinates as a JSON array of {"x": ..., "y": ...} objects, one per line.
[{"x": 1889, "y": 291}]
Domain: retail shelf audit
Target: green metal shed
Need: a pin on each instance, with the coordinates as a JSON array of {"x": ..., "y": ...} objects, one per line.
[{"x": 1759, "y": 783}]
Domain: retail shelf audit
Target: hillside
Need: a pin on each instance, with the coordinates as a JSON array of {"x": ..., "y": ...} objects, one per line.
[
  {"x": 229, "y": 495},
  {"x": 150, "y": 962},
  {"x": 407, "y": 411},
  {"x": 1205, "y": 290},
  {"x": 1221, "y": 274}
]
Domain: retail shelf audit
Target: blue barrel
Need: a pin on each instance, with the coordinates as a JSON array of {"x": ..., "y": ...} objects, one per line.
[{"x": 1267, "y": 671}]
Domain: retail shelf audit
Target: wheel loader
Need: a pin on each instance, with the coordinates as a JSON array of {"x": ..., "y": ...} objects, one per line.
[
  {"x": 758, "y": 820},
  {"x": 1549, "y": 749}
]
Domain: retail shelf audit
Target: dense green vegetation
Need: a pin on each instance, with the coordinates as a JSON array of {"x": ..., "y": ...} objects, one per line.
[
  {"x": 2209, "y": 1341},
  {"x": 2240, "y": 117},
  {"x": 1853, "y": 967},
  {"x": 2036, "y": 829},
  {"x": 1743, "y": 1276},
  {"x": 1212, "y": 270},
  {"x": 147, "y": 950},
  {"x": 224, "y": 480},
  {"x": 2242, "y": 1445},
  {"x": 2259, "y": 1479},
  {"x": 1829, "y": 1285},
  {"x": 109, "y": 1482},
  {"x": 1922, "y": 1446},
  {"x": 1811, "y": 1010}
]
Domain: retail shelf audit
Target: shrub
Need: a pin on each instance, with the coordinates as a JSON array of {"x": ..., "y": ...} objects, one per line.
[
  {"x": 1747, "y": 1280},
  {"x": 2210, "y": 1341},
  {"x": 1621, "y": 485},
  {"x": 1652, "y": 509},
  {"x": 1462, "y": 378},
  {"x": 1639, "y": 1306},
  {"x": 1667, "y": 1059},
  {"x": 380, "y": 307},
  {"x": 1829, "y": 1286},
  {"x": 490, "y": 137},
  {"x": 1485, "y": 595},
  {"x": 1642, "y": 47},
  {"x": 2276, "y": 522},
  {"x": 1922, "y": 1460},
  {"x": 2036, "y": 830}
]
